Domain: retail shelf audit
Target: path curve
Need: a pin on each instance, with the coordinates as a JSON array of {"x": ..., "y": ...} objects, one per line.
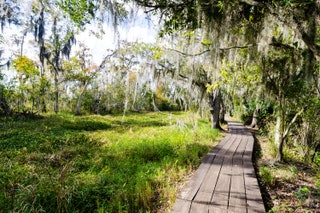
[{"x": 226, "y": 180}]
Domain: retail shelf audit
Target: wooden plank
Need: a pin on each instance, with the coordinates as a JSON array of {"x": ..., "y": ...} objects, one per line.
[
  {"x": 192, "y": 186},
  {"x": 217, "y": 148},
  {"x": 215, "y": 209},
  {"x": 220, "y": 196},
  {"x": 221, "y": 193},
  {"x": 237, "y": 200},
  {"x": 210, "y": 179},
  {"x": 225, "y": 180},
  {"x": 181, "y": 206},
  {"x": 253, "y": 194},
  {"x": 203, "y": 197},
  {"x": 200, "y": 206}
]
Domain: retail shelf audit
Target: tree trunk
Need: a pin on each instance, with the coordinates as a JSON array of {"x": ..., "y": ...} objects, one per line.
[
  {"x": 254, "y": 122},
  {"x": 42, "y": 93},
  {"x": 4, "y": 105},
  {"x": 281, "y": 132},
  {"x": 279, "y": 140},
  {"x": 20, "y": 93},
  {"x": 43, "y": 106},
  {"x": 214, "y": 104},
  {"x": 280, "y": 155},
  {"x": 222, "y": 111},
  {"x": 56, "y": 93},
  {"x": 32, "y": 106},
  {"x": 106, "y": 103},
  {"x": 133, "y": 107},
  {"x": 126, "y": 102},
  {"x": 96, "y": 106},
  {"x": 78, "y": 110}
]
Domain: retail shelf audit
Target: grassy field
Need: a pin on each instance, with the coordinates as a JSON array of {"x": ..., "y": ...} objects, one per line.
[{"x": 64, "y": 163}]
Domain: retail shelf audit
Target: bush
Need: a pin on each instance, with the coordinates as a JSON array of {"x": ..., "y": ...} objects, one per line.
[
  {"x": 302, "y": 194},
  {"x": 266, "y": 176},
  {"x": 265, "y": 111}
]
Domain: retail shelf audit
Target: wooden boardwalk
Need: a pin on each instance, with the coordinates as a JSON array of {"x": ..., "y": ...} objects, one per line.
[{"x": 225, "y": 180}]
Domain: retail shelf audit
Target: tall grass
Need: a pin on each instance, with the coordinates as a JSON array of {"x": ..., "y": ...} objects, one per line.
[{"x": 63, "y": 163}]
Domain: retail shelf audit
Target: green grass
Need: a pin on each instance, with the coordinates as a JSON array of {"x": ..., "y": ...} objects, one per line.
[{"x": 64, "y": 163}]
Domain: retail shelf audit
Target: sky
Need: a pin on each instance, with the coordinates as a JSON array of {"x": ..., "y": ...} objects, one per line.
[{"x": 140, "y": 29}]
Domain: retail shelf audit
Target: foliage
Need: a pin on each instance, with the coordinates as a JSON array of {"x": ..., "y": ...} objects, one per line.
[
  {"x": 81, "y": 12},
  {"x": 30, "y": 83},
  {"x": 265, "y": 111},
  {"x": 287, "y": 59},
  {"x": 25, "y": 66},
  {"x": 302, "y": 193},
  {"x": 98, "y": 163},
  {"x": 266, "y": 176},
  {"x": 293, "y": 185},
  {"x": 317, "y": 158},
  {"x": 84, "y": 12}
]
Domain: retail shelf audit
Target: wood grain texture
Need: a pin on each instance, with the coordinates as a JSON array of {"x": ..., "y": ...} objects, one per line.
[{"x": 226, "y": 179}]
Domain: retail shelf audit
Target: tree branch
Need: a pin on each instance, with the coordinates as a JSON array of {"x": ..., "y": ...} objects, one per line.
[
  {"x": 315, "y": 49},
  {"x": 285, "y": 134},
  {"x": 6, "y": 64},
  {"x": 253, "y": 3},
  {"x": 296, "y": 25},
  {"x": 105, "y": 60},
  {"x": 155, "y": 6},
  {"x": 282, "y": 45},
  {"x": 2, "y": 65},
  {"x": 187, "y": 54},
  {"x": 237, "y": 47},
  {"x": 208, "y": 50}
]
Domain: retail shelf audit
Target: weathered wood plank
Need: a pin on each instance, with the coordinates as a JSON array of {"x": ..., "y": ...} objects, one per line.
[
  {"x": 220, "y": 196},
  {"x": 253, "y": 194},
  {"x": 216, "y": 209},
  {"x": 198, "y": 206},
  {"x": 211, "y": 177},
  {"x": 203, "y": 196},
  {"x": 192, "y": 187},
  {"x": 181, "y": 206},
  {"x": 226, "y": 180},
  {"x": 237, "y": 200}
]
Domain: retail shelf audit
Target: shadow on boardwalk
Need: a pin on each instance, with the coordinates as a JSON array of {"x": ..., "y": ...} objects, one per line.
[{"x": 226, "y": 180}]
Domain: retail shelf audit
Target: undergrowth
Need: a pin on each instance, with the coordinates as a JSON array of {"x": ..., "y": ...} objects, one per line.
[
  {"x": 293, "y": 186},
  {"x": 63, "y": 163}
]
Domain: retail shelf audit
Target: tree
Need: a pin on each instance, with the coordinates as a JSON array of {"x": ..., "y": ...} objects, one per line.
[
  {"x": 56, "y": 48},
  {"x": 82, "y": 12},
  {"x": 307, "y": 133},
  {"x": 4, "y": 106},
  {"x": 80, "y": 69},
  {"x": 181, "y": 15},
  {"x": 27, "y": 74},
  {"x": 245, "y": 25},
  {"x": 285, "y": 80},
  {"x": 10, "y": 12}
]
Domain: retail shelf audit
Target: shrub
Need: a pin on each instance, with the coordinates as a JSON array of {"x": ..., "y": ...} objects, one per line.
[
  {"x": 266, "y": 176},
  {"x": 302, "y": 194}
]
